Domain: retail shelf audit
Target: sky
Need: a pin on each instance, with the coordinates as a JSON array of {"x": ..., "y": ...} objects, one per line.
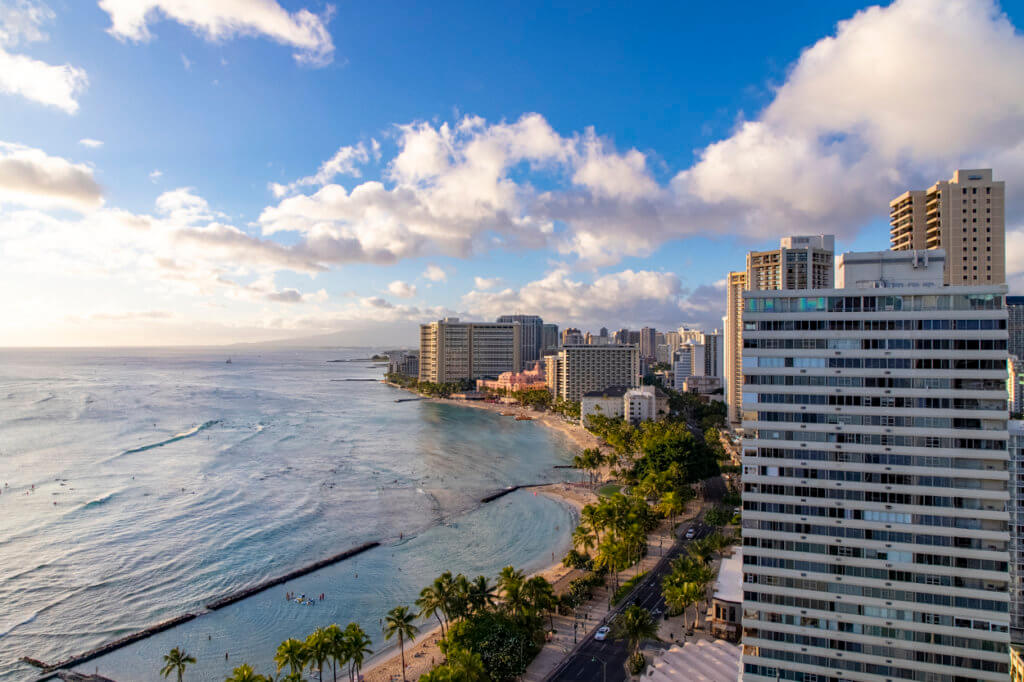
[{"x": 180, "y": 172}]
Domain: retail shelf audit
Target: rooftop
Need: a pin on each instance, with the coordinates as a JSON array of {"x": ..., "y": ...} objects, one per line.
[
  {"x": 729, "y": 586},
  {"x": 610, "y": 392},
  {"x": 698, "y": 661}
]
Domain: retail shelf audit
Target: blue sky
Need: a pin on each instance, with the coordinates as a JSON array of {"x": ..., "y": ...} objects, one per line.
[{"x": 162, "y": 177}]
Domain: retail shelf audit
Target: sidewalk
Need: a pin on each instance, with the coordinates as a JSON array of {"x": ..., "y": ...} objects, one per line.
[{"x": 592, "y": 613}]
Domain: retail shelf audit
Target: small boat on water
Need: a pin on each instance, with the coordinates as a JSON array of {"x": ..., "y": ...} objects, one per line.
[
  {"x": 228, "y": 362},
  {"x": 523, "y": 418}
]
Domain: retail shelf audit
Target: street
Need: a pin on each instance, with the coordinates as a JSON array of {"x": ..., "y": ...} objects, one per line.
[{"x": 606, "y": 660}]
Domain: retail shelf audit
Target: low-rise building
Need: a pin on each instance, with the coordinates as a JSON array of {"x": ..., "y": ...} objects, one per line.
[
  {"x": 606, "y": 402},
  {"x": 635, "y": 405},
  {"x": 531, "y": 379},
  {"x": 726, "y": 612},
  {"x": 700, "y": 384}
]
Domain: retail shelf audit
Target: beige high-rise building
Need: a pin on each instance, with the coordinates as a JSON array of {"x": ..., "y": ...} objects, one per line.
[
  {"x": 451, "y": 350},
  {"x": 966, "y": 216},
  {"x": 579, "y": 369},
  {"x": 800, "y": 262}
]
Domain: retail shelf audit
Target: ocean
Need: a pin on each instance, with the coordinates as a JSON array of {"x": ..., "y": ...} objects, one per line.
[{"x": 138, "y": 485}]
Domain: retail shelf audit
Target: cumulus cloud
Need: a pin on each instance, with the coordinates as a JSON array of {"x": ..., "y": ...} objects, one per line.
[
  {"x": 56, "y": 85},
  {"x": 219, "y": 20},
  {"x": 31, "y": 177},
  {"x": 629, "y": 297},
  {"x": 91, "y": 143},
  {"x": 402, "y": 289},
  {"x": 485, "y": 283},
  {"x": 435, "y": 273},
  {"x": 346, "y": 161}
]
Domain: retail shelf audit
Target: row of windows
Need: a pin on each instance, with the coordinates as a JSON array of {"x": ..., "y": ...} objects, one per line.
[
  {"x": 806, "y": 492},
  {"x": 886, "y": 439},
  {"x": 876, "y": 382},
  {"x": 883, "y": 498},
  {"x": 875, "y": 363},
  {"x": 865, "y": 477},
  {"x": 872, "y": 325},
  {"x": 962, "y": 563},
  {"x": 888, "y": 594},
  {"x": 959, "y": 662},
  {"x": 874, "y": 401},
  {"x": 882, "y": 420},
  {"x": 876, "y": 344},
  {"x": 867, "y": 304},
  {"x": 874, "y": 649},
  {"x": 886, "y": 458}
]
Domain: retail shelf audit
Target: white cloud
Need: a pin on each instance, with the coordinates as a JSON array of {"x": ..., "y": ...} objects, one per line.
[
  {"x": 155, "y": 174},
  {"x": 91, "y": 143},
  {"x": 435, "y": 273},
  {"x": 485, "y": 283},
  {"x": 186, "y": 62},
  {"x": 31, "y": 177},
  {"x": 626, "y": 297},
  {"x": 402, "y": 289},
  {"x": 345, "y": 161},
  {"x": 53, "y": 85},
  {"x": 222, "y": 19}
]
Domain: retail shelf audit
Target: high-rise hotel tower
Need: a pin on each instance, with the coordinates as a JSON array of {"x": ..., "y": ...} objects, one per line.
[{"x": 875, "y": 477}]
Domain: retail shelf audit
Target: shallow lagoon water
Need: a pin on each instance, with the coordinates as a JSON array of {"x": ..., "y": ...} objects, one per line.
[{"x": 180, "y": 478}]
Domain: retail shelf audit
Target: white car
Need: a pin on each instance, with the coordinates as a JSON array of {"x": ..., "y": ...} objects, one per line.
[
  {"x": 602, "y": 633},
  {"x": 690, "y": 533}
]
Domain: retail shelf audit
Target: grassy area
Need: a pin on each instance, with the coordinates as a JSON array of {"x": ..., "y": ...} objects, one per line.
[
  {"x": 611, "y": 488},
  {"x": 627, "y": 587}
]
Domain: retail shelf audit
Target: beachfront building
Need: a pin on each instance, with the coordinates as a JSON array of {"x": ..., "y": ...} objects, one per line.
[
  {"x": 643, "y": 403},
  {"x": 800, "y": 262},
  {"x": 576, "y": 370},
  {"x": 966, "y": 217},
  {"x": 531, "y": 337},
  {"x": 406, "y": 363},
  {"x": 1016, "y": 454},
  {"x": 875, "y": 523},
  {"x": 452, "y": 350},
  {"x": 528, "y": 380}
]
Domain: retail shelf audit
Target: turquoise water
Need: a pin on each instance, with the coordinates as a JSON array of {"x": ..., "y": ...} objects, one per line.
[{"x": 179, "y": 478}]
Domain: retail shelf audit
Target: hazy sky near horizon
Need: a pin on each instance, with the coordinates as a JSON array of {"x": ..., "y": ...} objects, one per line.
[{"x": 174, "y": 172}]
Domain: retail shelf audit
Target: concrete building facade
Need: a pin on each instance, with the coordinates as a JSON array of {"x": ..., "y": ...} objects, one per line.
[
  {"x": 875, "y": 523},
  {"x": 549, "y": 338},
  {"x": 451, "y": 350},
  {"x": 966, "y": 216},
  {"x": 1016, "y": 455},
  {"x": 532, "y": 334},
  {"x": 580, "y": 369},
  {"x": 800, "y": 262}
]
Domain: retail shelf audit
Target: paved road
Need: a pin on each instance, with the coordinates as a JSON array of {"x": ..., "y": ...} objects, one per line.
[{"x": 585, "y": 664}]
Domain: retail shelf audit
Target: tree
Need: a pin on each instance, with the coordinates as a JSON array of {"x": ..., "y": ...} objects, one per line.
[
  {"x": 358, "y": 649},
  {"x": 432, "y": 603},
  {"x": 245, "y": 673},
  {"x": 318, "y": 650},
  {"x": 541, "y": 597},
  {"x": 175, "y": 662},
  {"x": 583, "y": 537},
  {"x": 337, "y": 648},
  {"x": 466, "y": 665},
  {"x": 291, "y": 653},
  {"x": 399, "y": 621},
  {"x": 671, "y": 505},
  {"x": 481, "y": 594},
  {"x": 634, "y": 625}
]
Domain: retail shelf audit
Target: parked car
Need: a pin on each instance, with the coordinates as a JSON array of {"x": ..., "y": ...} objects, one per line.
[
  {"x": 602, "y": 633},
  {"x": 690, "y": 533}
]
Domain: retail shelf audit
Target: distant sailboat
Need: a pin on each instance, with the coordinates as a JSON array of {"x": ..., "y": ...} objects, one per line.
[{"x": 228, "y": 362}]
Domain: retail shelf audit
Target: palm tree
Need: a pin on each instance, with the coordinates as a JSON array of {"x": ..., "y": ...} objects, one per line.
[
  {"x": 671, "y": 505},
  {"x": 634, "y": 625},
  {"x": 695, "y": 595},
  {"x": 466, "y": 666},
  {"x": 481, "y": 594},
  {"x": 399, "y": 621},
  {"x": 291, "y": 653},
  {"x": 542, "y": 596},
  {"x": 245, "y": 673},
  {"x": 700, "y": 550},
  {"x": 582, "y": 537},
  {"x": 513, "y": 595},
  {"x": 458, "y": 601},
  {"x": 358, "y": 648},
  {"x": 337, "y": 648},
  {"x": 318, "y": 650},
  {"x": 432, "y": 603},
  {"x": 175, "y": 662}
]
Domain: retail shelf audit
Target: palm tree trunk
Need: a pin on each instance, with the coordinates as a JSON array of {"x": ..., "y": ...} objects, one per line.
[
  {"x": 401, "y": 647},
  {"x": 440, "y": 622}
]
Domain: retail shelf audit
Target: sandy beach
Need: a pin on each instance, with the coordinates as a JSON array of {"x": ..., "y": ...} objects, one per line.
[{"x": 424, "y": 654}]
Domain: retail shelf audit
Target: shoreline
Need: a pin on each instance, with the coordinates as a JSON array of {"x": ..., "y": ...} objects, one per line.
[{"x": 424, "y": 654}]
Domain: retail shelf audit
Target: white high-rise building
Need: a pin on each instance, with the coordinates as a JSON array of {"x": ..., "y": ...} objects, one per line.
[
  {"x": 1016, "y": 448},
  {"x": 451, "y": 350},
  {"x": 875, "y": 479},
  {"x": 576, "y": 370}
]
